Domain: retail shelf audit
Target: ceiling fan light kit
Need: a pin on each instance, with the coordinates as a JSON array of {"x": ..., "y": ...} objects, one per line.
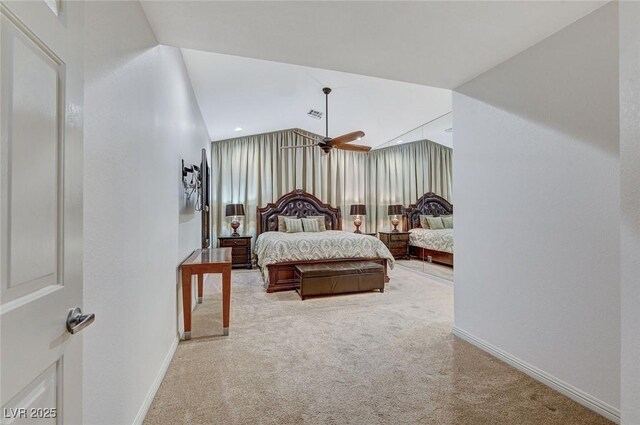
[{"x": 329, "y": 143}]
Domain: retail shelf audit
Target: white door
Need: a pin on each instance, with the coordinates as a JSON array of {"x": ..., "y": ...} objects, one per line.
[{"x": 41, "y": 97}]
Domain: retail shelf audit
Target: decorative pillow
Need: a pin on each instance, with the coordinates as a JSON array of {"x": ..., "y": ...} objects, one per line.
[
  {"x": 310, "y": 224},
  {"x": 447, "y": 221},
  {"x": 321, "y": 222},
  {"x": 435, "y": 223},
  {"x": 294, "y": 225},
  {"x": 423, "y": 221},
  {"x": 282, "y": 224}
]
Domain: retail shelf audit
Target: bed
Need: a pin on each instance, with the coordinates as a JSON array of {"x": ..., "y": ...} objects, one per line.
[
  {"x": 436, "y": 244},
  {"x": 278, "y": 253}
]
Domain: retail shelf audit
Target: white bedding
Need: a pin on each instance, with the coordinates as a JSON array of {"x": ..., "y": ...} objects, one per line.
[
  {"x": 277, "y": 247},
  {"x": 435, "y": 239}
]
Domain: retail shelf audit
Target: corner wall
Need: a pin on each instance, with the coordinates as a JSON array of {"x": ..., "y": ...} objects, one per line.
[
  {"x": 141, "y": 118},
  {"x": 630, "y": 194},
  {"x": 537, "y": 234}
]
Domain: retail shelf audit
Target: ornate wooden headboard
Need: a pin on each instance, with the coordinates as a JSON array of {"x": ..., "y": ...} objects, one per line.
[
  {"x": 300, "y": 204},
  {"x": 428, "y": 204}
]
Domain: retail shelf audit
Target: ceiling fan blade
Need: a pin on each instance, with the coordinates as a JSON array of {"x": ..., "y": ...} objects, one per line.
[
  {"x": 298, "y": 146},
  {"x": 356, "y": 148},
  {"x": 346, "y": 138},
  {"x": 315, "y": 139}
]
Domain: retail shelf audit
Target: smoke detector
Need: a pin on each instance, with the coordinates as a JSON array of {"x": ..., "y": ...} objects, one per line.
[{"x": 314, "y": 114}]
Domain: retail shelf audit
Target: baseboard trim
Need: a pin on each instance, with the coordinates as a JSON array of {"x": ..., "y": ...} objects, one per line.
[
  {"x": 146, "y": 404},
  {"x": 562, "y": 387}
]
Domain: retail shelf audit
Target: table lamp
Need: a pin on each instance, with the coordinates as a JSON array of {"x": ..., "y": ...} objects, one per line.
[
  {"x": 394, "y": 210},
  {"x": 235, "y": 210},
  {"x": 358, "y": 210}
]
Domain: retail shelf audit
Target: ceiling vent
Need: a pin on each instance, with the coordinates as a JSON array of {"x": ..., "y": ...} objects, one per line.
[{"x": 314, "y": 114}]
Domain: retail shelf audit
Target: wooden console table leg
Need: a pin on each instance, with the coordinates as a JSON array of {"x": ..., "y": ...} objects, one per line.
[
  {"x": 226, "y": 298},
  {"x": 200, "y": 287},
  {"x": 186, "y": 301}
]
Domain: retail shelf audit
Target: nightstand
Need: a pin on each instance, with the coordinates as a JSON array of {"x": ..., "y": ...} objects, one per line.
[
  {"x": 240, "y": 249},
  {"x": 397, "y": 242},
  {"x": 369, "y": 234}
]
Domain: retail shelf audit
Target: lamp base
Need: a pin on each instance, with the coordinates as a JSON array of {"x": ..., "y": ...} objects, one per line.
[
  {"x": 234, "y": 225},
  {"x": 395, "y": 223},
  {"x": 357, "y": 222}
]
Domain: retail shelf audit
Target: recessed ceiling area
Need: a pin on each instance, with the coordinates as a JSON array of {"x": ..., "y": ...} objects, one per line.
[
  {"x": 436, "y": 43},
  {"x": 240, "y": 96}
]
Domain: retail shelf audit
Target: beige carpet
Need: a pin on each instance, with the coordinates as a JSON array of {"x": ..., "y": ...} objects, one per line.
[
  {"x": 433, "y": 269},
  {"x": 357, "y": 359}
]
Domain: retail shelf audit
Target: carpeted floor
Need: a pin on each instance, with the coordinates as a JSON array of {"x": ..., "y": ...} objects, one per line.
[
  {"x": 433, "y": 269},
  {"x": 357, "y": 359}
]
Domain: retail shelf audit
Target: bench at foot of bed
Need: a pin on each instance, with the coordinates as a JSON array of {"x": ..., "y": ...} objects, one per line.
[
  {"x": 339, "y": 278},
  {"x": 282, "y": 276}
]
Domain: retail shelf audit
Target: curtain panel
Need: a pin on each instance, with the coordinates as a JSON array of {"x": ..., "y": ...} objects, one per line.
[
  {"x": 401, "y": 174},
  {"x": 254, "y": 171}
]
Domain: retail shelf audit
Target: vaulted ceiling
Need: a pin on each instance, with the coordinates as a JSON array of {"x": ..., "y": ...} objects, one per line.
[{"x": 261, "y": 96}]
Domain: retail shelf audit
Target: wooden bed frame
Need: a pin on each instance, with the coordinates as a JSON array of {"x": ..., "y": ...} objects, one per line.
[
  {"x": 428, "y": 204},
  {"x": 300, "y": 204}
]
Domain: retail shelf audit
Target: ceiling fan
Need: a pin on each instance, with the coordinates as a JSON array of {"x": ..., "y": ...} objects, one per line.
[{"x": 327, "y": 143}]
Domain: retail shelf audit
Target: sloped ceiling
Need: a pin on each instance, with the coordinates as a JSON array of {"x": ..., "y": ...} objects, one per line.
[
  {"x": 261, "y": 96},
  {"x": 436, "y": 43}
]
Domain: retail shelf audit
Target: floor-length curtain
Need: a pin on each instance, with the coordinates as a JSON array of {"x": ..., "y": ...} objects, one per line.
[
  {"x": 401, "y": 174},
  {"x": 254, "y": 171}
]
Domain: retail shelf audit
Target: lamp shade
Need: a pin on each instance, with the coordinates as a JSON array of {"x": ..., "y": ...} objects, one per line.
[
  {"x": 234, "y": 209},
  {"x": 394, "y": 209},
  {"x": 358, "y": 209}
]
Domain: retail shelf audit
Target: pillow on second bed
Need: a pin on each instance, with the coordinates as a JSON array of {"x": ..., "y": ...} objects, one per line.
[
  {"x": 435, "y": 223},
  {"x": 447, "y": 221},
  {"x": 423, "y": 221}
]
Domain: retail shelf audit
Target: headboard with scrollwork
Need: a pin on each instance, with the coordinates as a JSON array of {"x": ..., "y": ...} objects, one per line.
[
  {"x": 300, "y": 204},
  {"x": 428, "y": 204}
]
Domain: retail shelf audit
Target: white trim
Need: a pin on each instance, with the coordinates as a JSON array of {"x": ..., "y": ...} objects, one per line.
[
  {"x": 151, "y": 394},
  {"x": 562, "y": 387}
]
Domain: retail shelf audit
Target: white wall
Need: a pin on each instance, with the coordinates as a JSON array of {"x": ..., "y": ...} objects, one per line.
[
  {"x": 630, "y": 194},
  {"x": 536, "y": 167},
  {"x": 140, "y": 119}
]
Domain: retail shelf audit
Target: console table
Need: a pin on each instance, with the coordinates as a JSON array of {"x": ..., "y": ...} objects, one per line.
[{"x": 201, "y": 262}]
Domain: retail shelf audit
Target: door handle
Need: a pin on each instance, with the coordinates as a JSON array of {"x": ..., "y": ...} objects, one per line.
[{"x": 76, "y": 321}]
